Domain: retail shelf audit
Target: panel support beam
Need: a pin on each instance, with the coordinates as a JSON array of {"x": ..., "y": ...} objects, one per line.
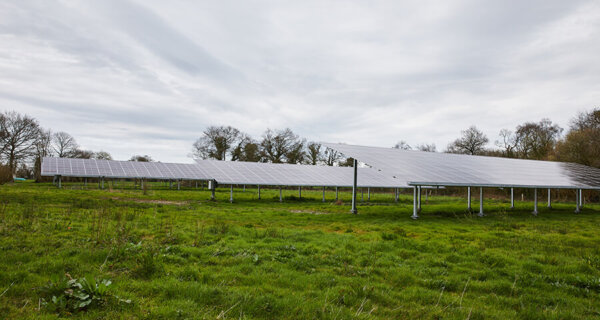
[
  {"x": 355, "y": 165},
  {"x": 419, "y": 198},
  {"x": 535, "y": 202},
  {"x": 469, "y": 209},
  {"x": 481, "y": 214},
  {"x": 512, "y": 198},
  {"x": 415, "y": 214}
]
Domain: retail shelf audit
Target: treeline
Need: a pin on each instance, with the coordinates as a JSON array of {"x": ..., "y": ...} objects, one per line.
[{"x": 23, "y": 144}]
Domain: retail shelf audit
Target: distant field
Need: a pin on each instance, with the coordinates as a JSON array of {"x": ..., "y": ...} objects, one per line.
[{"x": 174, "y": 254}]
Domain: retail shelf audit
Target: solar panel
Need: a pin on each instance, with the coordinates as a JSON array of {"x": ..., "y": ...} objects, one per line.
[
  {"x": 444, "y": 169},
  {"x": 120, "y": 169},
  {"x": 279, "y": 174}
]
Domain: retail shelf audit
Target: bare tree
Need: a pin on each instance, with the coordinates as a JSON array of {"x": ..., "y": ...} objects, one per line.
[
  {"x": 139, "y": 158},
  {"x": 102, "y": 155},
  {"x": 472, "y": 141},
  {"x": 275, "y": 145},
  {"x": 314, "y": 153},
  {"x": 507, "y": 143},
  {"x": 64, "y": 144},
  {"x": 43, "y": 148},
  {"x": 582, "y": 142},
  {"x": 81, "y": 154},
  {"x": 19, "y": 134},
  {"x": 402, "y": 145},
  {"x": 216, "y": 142},
  {"x": 331, "y": 157},
  {"x": 427, "y": 147}
]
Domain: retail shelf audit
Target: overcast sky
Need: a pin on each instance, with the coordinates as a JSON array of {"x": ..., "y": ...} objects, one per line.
[{"x": 146, "y": 77}]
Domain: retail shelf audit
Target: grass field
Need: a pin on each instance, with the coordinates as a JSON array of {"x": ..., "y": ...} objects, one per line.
[{"x": 176, "y": 255}]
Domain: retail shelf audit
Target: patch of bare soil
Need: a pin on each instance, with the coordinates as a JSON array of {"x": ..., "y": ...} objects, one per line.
[
  {"x": 309, "y": 211},
  {"x": 177, "y": 203}
]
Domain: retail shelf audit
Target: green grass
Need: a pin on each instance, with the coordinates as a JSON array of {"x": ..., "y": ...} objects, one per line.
[{"x": 175, "y": 254}]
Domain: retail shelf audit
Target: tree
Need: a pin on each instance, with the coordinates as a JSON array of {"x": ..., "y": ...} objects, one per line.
[
  {"x": 427, "y": 147},
  {"x": 472, "y": 141},
  {"x": 348, "y": 162},
  {"x": 402, "y": 145},
  {"x": 314, "y": 153},
  {"x": 537, "y": 140},
  {"x": 296, "y": 153},
  {"x": 331, "y": 157},
  {"x": 19, "y": 134},
  {"x": 275, "y": 145},
  {"x": 507, "y": 143},
  {"x": 246, "y": 150},
  {"x": 582, "y": 142},
  {"x": 64, "y": 145},
  {"x": 43, "y": 148},
  {"x": 81, "y": 154},
  {"x": 102, "y": 155},
  {"x": 139, "y": 158},
  {"x": 216, "y": 142}
]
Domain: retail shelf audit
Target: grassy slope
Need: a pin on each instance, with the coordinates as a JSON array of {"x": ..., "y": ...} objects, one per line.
[{"x": 263, "y": 259}]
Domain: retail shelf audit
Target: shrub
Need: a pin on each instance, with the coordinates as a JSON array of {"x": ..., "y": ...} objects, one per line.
[{"x": 74, "y": 295}]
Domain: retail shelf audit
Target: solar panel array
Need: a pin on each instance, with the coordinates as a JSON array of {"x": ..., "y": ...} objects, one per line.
[
  {"x": 224, "y": 172},
  {"x": 444, "y": 169},
  {"x": 120, "y": 169},
  {"x": 237, "y": 172}
]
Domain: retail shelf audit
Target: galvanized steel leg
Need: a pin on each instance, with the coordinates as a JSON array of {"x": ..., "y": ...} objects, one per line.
[
  {"x": 299, "y": 192},
  {"x": 142, "y": 183},
  {"x": 354, "y": 210},
  {"x": 577, "y": 202},
  {"x": 512, "y": 198},
  {"x": 196, "y": 184},
  {"x": 231, "y": 194},
  {"x": 419, "y": 198},
  {"x": 549, "y": 199},
  {"x": 59, "y": 182},
  {"x": 102, "y": 183},
  {"x": 323, "y": 194},
  {"x": 258, "y": 192},
  {"x": 170, "y": 184},
  {"x": 336, "y": 193},
  {"x": 280, "y": 197},
  {"x": 85, "y": 182},
  {"x": 368, "y": 194},
  {"x": 426, "y": 195},
  {"x": 581, "y": 198},
  {"x": 212, "y": 193},
  {"x": 362, "y": 196},
  {"x": 415, "y": 215},
  {"x": 397, "y": 194},
  {"x": 481, "y": 214},
  {"x": 535, "y": 202},
  {"x": 469, "y": 199},
  {"x": 178, "y": 184}
]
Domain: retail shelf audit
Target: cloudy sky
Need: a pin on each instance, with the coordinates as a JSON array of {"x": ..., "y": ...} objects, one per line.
[{"x": 146, "y": 77}]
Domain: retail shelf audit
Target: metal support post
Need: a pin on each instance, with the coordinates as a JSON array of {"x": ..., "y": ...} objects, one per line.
[
  {"x": 59, "y": 182},
  {"x": 512, "y": 198},
  {"x": 581, "y": 198},
  {"x": 535, "y": 202},
  {"x": 419, "y": 198},
  {"x": 397, "y": 194},
  {"x": 577, "y": 206},
  {"x": 549, "y": 199},
  {"x": 415, "y": 215},
  {"x": 212, "y": 193},
  {"x": 142, "y": 183},
  {"x": 362, "y": 196},
  {"x": 426, "y": 195},
  {"x": 336, "y": 193},
  {"x": 323, "y": 194},
  {"x": 469, "y": 199},
  {"x": 258, "y": 192},
  {"x": 280, "y": 197},
  {"x": 85, "y": 182},
  {"x": 102, "y": 183},
  {"x": 196, "y": 184},
  {"x": 299, "y": 192},
  {"x": 231, "y": 194},
  {"x": 355, "y": 165},
  {"x": 368, "y": 194},
  {"x": 244, "y": 188},
  {"x": 481, "y": 214},
  {"x": 178, "y": 184},
  {"x": 170, "y": 184}
]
